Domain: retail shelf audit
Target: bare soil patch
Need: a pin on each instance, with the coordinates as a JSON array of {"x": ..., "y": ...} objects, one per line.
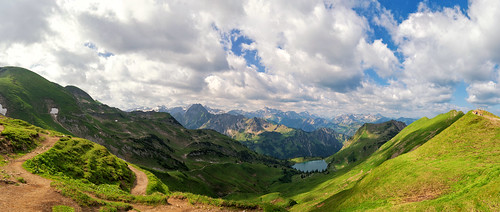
[{"x": 141, "y": 182}]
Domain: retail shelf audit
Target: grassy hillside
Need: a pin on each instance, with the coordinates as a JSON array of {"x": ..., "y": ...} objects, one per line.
[
  {"x": 29, "y": 97},
  {"x": 367, "y": 140},
  {"x": 311, "y": 190},
  {"x": 457, "y": 170},
  {"x": 84, "y": 171}
]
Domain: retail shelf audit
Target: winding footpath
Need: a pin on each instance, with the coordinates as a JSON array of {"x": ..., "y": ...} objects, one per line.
[
  {"x": 34, "y": 195},
  {"x": 141, "y": 182}
]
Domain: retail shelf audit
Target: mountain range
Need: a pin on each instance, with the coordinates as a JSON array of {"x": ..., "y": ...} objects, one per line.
[
  {"x": 261, "y": 135},
  {"x": 148, "y": 161},
  {"x": 346, "y": 124}
]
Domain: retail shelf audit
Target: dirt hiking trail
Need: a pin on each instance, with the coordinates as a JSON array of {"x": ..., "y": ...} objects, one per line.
[
  {"x": 34, "y": 195},
  {"x": 141, "y": 182}
]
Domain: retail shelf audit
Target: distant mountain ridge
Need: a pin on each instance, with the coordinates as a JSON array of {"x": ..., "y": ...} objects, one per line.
[
  {"x": 346, "y": 124},
  {"x": 261, "y": 135}
]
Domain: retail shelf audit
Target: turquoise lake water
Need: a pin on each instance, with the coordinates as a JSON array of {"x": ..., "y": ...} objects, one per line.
[{"x": 310, "y": 166}]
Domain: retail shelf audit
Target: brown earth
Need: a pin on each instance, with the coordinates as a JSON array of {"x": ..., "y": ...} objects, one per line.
[
  {"x": 141, "y": 182},
  {"x": 179, "y": 205}
]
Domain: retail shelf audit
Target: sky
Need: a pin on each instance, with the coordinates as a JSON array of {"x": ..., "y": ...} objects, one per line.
[{"x": 397, "y": 58}]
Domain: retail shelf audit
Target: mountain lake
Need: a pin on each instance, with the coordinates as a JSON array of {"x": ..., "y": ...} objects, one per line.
[{"x": 310, "y": 166}]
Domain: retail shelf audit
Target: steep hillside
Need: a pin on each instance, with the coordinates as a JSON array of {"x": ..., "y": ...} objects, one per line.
[
  {"x": 28, "y": 96},
  {"x": 265, "y": 137},
  {"x": 155, "y": 141},
  {"x": 456, "y": 170},
  {"x": 367, "y": 140}
]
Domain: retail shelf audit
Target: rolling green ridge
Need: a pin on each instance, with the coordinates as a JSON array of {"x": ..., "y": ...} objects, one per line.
[
  {"x": 82, "y": 159},
  {"x": 154, "y": 141}
]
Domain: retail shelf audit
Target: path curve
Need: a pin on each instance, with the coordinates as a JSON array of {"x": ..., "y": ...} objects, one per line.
[
  {"x": 36, "y": 194},
  {"x": 141, "y": 182}
]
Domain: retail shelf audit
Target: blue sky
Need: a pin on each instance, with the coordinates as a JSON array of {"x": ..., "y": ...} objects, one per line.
[{"x": 396, "y": 58}]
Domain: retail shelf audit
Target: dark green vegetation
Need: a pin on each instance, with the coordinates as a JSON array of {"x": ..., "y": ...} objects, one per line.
[
  {"x": 75, "y": 158},
  {"x": 367, "y": 140},
  {"x": 265, "y": 137},
  {"x": 183, "y": 159},
  {"x": 294, "y": 143}
]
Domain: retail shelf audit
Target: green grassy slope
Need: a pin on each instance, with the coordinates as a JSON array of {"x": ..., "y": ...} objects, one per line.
[
  {"x": 367, "y": 140},
  {"x": 29, "y": 97},
  {"x": 457, "y": 170}
]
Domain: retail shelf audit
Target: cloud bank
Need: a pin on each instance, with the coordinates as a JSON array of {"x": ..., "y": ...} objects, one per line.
[{"x": 319, "y": 56}]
